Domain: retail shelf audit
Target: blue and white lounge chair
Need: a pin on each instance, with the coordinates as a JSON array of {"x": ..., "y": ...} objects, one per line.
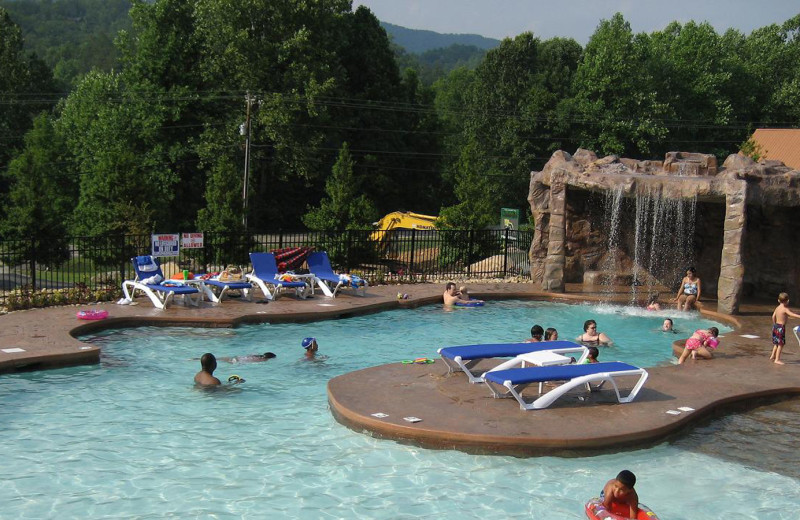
[
  {"x": 513, "y": 381},
  {"x": 465, "y": 357},
  {"x": 329, "y": 282},
  {"x": 221, "y": 287},
  {"x": 265, "y": 275},
  {"x": 150, "y": 280}
]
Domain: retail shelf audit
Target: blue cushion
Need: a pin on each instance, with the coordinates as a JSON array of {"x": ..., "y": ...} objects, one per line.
[
  {"x": 519, "y": 376},
  {"x": 503, "y": 349}
]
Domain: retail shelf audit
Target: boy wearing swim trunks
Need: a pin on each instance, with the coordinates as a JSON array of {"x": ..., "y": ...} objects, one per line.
[
  {"x": 779, "y": 318},
  {"x": 620, "y": 491}
]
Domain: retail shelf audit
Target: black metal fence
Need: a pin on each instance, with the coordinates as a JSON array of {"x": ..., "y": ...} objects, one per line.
[{"x": 97, "y": 265}]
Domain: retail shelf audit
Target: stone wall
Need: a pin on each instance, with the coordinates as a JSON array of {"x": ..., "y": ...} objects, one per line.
[{"x": 744, "y": 218}]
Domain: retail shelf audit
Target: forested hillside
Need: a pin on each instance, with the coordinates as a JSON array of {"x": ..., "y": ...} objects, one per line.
[
  {"x": 71, "y": 36},
  {"x": 419, "y": 41},
  {"x": 339, "y": 133}
]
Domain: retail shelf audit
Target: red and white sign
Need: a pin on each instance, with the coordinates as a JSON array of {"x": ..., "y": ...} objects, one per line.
[{"x": 192, "y": 240}]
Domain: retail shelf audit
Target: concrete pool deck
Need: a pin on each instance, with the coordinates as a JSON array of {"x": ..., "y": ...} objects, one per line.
[{"x": 453, "y": 413}]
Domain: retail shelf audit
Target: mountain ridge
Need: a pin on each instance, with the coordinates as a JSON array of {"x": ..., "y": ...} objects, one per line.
[{"x": 418, "y": 41}]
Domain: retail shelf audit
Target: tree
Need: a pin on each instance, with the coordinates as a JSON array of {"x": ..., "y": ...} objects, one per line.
[
  {"x": 507, "y": 125},
  {"x": 614, "y": 97},
  {"x": 26, "y": 85},
  {"x": 41, "y": 195},
  {"x": 344, "y": 205}
]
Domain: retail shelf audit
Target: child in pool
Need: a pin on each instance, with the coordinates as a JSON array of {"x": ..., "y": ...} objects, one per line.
[
  {"x": 620, "y": 491},
  {"x": 463, "y": 293},
  {"x": 550, "y": 334},
  {"x": 700, "y": 344},
  {"x": 652, "y": 303},
  {"x": 667, "y": 326},
  {"x": 592, "y": 356}
]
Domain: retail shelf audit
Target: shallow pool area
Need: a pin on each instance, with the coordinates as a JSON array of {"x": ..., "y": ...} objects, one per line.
[{"x": 132, "y": 437}]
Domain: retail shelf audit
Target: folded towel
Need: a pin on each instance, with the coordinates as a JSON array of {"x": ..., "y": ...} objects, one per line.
[{"x": 153, "y": 280}]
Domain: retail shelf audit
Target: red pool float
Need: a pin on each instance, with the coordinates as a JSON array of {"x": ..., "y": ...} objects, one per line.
[
  {"x": 595, "y": 510},
  {"x": 92, "y": 315}
]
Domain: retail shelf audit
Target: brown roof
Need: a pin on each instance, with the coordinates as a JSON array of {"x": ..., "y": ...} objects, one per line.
[{"x": 782, "y": 144}]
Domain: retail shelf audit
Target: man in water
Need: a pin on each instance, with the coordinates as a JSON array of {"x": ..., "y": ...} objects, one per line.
[
  {"x": 250, "y": 358},
  {"x": 310, "y": 344},
  {"x": 206, "y": 376},
  {"x": 450, "y": 295}
]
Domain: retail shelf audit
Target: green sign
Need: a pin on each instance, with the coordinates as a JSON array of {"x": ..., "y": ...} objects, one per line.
[{"x": 509, "y": 218}]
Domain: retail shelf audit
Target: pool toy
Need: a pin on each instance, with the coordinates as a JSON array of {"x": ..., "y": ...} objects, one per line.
[
  {"x": 418, "y": 361},
  {"x": 92, "y": 315},
  {"x": 235, "y": 380},
  {"x": 595, "y": 510},
  {"x": 470, "y": 303}
]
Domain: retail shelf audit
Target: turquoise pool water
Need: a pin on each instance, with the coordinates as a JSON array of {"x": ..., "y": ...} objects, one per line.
[{"x": 132, "y": 438}]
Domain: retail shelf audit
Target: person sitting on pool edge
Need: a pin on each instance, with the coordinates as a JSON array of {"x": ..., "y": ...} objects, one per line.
[
  {"x": 206, "y": 375},
  {"x": 620, "y": 491},
  {"x": 250, "y": 358},
  {"x": 310, "y": 344},
  {"x": 590, "y": 335},
  {"x": 536, "y": 334},
  {"x": 450, "y": 295}
]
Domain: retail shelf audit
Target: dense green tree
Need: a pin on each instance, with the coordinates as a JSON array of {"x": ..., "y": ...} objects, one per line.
[
  {"x": 693, "y": 76},
  {"x": 507, "y": 125},
  {"x": 615, "y": 100},
  {"x": 42, "y": 194},
  {"x": 27, "y": 89},
  {"x": 344, "y": 205},
  {"x": 127, "y": 185}
]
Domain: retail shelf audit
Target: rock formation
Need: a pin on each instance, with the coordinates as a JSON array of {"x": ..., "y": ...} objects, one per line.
[{"x": 741, "y": 217}]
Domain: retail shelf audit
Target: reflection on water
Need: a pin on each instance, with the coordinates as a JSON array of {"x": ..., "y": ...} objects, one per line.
[{"x": 764, "y": 438}]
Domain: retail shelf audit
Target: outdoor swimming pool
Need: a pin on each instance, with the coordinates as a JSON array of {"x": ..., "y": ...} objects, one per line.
[{"x": 131, "y": 437}]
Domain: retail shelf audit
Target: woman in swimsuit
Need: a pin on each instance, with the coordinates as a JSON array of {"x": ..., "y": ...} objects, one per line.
[
  {"x": 689, "y": 291},
  {"x": 590, "y": 335},
  {"x": 700, "y": 344}
]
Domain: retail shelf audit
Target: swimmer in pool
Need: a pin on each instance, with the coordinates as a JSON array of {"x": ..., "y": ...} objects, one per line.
[
  {"x": 250, "y": 358},
  {"x": 205, "y": 377}
]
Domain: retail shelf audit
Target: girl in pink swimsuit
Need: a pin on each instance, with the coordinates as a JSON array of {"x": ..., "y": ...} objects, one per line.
[{"x": 701, "y": 343}]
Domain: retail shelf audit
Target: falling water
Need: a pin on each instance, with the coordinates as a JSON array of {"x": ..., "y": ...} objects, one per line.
[
  {"x": 612, "y": 211},
  {"x": 662, "y": 242}
]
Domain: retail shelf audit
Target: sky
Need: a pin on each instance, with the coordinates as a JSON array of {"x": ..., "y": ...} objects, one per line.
[{"x": 576, "y": 19}]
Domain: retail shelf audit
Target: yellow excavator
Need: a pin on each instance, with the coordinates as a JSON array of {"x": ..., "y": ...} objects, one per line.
[{"x": 400, "y": 220}]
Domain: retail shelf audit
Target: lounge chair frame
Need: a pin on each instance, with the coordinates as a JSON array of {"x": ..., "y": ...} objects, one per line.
[
  {"x": 224, "y": 287},
  {"x": 520, "y": 378},
  {"x": 161, "y": 295},
  {"x": 326, "y": 279},
  {"x": 464, "y": 358},
  {"x": 265, "y": 273}
]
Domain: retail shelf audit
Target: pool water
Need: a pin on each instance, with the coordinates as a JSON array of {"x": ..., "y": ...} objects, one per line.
[{"x": 132, "y": 437}]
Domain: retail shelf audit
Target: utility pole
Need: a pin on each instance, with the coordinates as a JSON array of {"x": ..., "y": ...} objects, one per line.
[{"x": 245, "y": 130}]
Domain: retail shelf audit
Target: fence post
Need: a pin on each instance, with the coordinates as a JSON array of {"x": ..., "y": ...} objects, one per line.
[
  {"x": 469, "y": 254},
  {"x": 505, "y": 255},
  {"x": 280, "y": 239},
  {"x": 33, "y": 264},
  {"x": 121, "y": 257},
  {"x": 413, "y": 246}
]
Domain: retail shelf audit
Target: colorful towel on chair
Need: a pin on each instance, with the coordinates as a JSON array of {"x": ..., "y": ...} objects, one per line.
[
  {"x": 351, "y": 280},
  {"x": 291, "y": 258}
]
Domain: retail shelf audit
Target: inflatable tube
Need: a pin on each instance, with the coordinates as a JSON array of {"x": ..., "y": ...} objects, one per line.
[
  {"x": 595, "y": 510},
  {"x": 92, "y": 315},
  {"x": 470, "y": 303}
]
